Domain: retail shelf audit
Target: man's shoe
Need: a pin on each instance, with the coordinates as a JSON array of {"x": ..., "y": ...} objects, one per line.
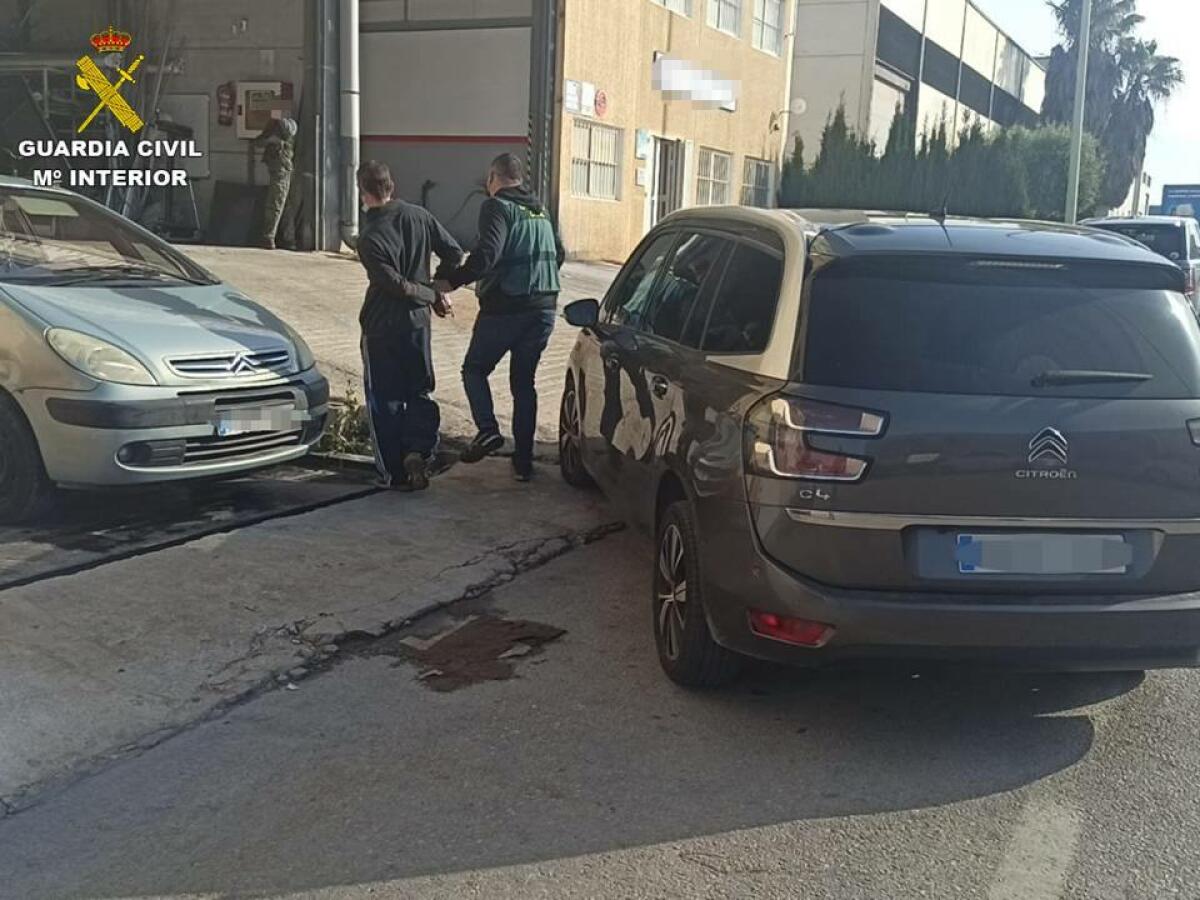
[
  {"x": 483, "y": 445},
  {"x": 417, "y": 468},
  {"x": 523, "y": 471},
  {"x": 267, "y": 243}
]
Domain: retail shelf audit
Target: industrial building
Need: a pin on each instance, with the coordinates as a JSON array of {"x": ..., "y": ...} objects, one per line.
[{"x": 939, "y": 60}]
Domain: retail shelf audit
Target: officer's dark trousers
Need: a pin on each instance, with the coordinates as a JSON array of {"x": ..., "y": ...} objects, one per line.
[
  {"x": 398, "y": 376},
  {"x": 523, "y": 335}
]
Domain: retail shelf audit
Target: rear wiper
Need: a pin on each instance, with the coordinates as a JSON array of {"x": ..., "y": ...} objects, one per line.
[{"x": 1075, "y": 376}]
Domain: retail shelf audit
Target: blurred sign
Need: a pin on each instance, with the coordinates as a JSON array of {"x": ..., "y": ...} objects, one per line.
[
  {"x": 679, "y": 79},
  {"x": 642, "y": 143},
  {"x": 571, "y": 92},
  {"x": 1181, "y": 200},
  {"x": 587, "y": 99},
  {"x": 601, "y": 104}
]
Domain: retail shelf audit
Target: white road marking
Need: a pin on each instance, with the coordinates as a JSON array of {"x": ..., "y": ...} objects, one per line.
[{"x": 1040, "y": 853}]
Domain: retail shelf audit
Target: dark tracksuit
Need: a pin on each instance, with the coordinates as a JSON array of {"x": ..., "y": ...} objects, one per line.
[
  {"x": 515, "y": 265},
  {"x": 394, "y": 247}
]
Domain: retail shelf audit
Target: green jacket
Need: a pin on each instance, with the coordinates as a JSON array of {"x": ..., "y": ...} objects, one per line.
[{"x": 517, "y": 257}]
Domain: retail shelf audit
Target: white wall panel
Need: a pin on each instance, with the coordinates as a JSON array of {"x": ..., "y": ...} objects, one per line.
[
  {"x": 979, "y": 46},
  {"x": 1012, "y": 67},
  {"x": 911, "y": 11},
  {"x": 1034, "y": 91},
  {"x": 407, "y": 89},
  {"x": 946, "y": 23}
]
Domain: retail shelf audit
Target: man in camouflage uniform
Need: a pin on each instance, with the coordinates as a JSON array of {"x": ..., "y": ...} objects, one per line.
[{"x": 278, "y": 141}]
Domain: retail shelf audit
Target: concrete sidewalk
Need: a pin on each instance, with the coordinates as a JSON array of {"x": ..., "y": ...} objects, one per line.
[
  {"x": 319, "y": 294},
  {"x": 110, "y": 662}
]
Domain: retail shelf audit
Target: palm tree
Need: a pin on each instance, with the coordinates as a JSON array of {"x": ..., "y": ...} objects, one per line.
[
  {"x": 1147, "y": 79},
  {"x": 1126, "y": 78}
]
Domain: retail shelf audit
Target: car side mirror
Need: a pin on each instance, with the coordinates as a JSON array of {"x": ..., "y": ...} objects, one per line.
[{"x": 582, "y": 313}]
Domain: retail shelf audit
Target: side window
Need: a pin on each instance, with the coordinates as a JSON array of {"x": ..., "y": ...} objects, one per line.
[
  {"x": 744, "y": 309},
  {"x": 685, "y": 293},
  {"x": 629, "y": 304}
]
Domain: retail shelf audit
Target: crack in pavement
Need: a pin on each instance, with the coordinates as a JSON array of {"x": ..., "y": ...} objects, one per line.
[
  {"x": 293, "y": 632},
  {"x": 517, "y": 561},
  {"x": 522, "y": 556}
]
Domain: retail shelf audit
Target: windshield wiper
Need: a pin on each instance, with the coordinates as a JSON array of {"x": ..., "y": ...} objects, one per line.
[
  {"x": 1076, "y": 376},
  {"x": 78, "y": 274}
]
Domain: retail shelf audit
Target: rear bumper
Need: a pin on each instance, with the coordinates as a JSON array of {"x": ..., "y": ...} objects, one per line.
[{"x": 1085, "y": 633}]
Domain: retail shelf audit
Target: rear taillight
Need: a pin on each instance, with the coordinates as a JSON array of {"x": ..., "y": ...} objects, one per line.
[
  {"x": 801, "y": 632},
  {"x": 1190, "y": 283},
  {"x": 779, "y": 439}
]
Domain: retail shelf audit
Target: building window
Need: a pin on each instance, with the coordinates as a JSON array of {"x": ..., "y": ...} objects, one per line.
[
  {"x": 767, "y": 31},
  {"x": 595, "y": 161},
  {"x": 726, "y": 15},
  {"x": 756, "y": 183},
  {"x": 712, "y": 178},
  {"x": 683, "y": 7}
]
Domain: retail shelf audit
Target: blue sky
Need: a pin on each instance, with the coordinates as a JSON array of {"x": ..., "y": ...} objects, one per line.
[{"x": 1174, "y": 152}]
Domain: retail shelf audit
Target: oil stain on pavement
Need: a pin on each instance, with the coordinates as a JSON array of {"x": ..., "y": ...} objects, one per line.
[{"x": 475, "y": 649}]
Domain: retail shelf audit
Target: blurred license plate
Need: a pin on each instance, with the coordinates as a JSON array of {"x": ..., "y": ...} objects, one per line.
[
  {"x": 251, "y": 421},
  {"x": 1043, "y": 554}
]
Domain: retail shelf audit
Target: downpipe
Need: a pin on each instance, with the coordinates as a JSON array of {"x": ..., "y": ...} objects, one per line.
[{"x": 350, "y": 122}]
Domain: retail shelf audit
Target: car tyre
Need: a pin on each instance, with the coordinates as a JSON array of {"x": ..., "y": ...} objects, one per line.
[
  {"x": 686, "y": 649},
  {"x": 570, "y": 439},
  {"x": 22, "y": 477}
]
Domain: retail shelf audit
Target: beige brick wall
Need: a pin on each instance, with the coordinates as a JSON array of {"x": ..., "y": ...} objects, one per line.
[{"x": 611, "y": 43}]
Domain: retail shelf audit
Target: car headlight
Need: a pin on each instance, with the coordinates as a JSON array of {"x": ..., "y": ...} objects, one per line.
[
  {"x": 98, "y": 358},
  {"x": 304, "y": 355}
]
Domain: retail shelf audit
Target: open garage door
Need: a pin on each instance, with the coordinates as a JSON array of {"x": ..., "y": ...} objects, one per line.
[{"x": 449, "y": 84}]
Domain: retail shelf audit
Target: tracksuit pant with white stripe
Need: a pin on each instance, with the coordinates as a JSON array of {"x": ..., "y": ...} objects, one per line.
[{"x": 398, "y": 377}]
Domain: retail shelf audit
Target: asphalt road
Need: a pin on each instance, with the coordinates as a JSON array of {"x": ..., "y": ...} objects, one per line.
[{"x": 400, "y": 772}]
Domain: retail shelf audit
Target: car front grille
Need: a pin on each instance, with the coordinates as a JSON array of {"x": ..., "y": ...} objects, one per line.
[
  {"x": 240, "y": 364},
  {"x": 221, "y": 449}
]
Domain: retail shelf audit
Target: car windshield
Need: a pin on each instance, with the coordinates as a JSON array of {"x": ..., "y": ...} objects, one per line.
[
  {"x": 1167, "y": 240},
  {"x": 58, "y": 238},
  {"x": 1002, "y": 328}
]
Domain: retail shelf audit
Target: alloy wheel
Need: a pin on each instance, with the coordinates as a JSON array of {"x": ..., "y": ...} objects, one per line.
[
  {"x": 569, "y": 431},
  {"x": 672, "y": 591}
]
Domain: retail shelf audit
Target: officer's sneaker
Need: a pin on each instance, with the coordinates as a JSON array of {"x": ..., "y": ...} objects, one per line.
[
  {"x": 522, "y": 471},
  {"x": 483, "y": 445}
]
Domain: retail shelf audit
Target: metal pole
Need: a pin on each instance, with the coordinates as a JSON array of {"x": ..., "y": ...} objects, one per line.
[
  {"x": 1084, "y": 43},
  {"x": 348, "y": 62}
]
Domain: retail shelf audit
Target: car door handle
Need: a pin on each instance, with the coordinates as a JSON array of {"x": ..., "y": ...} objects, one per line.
[{"x": 659, "y": 386}]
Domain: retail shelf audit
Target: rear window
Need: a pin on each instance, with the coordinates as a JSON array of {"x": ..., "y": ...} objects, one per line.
[
  {"x": 1166, "y": 240},
  {"x": 978, "y": 327}
]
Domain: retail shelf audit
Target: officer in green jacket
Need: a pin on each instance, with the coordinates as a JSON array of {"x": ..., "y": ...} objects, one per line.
[
  {"x": 278, "y": 141},
  {"x": 515, "y": 266}
]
